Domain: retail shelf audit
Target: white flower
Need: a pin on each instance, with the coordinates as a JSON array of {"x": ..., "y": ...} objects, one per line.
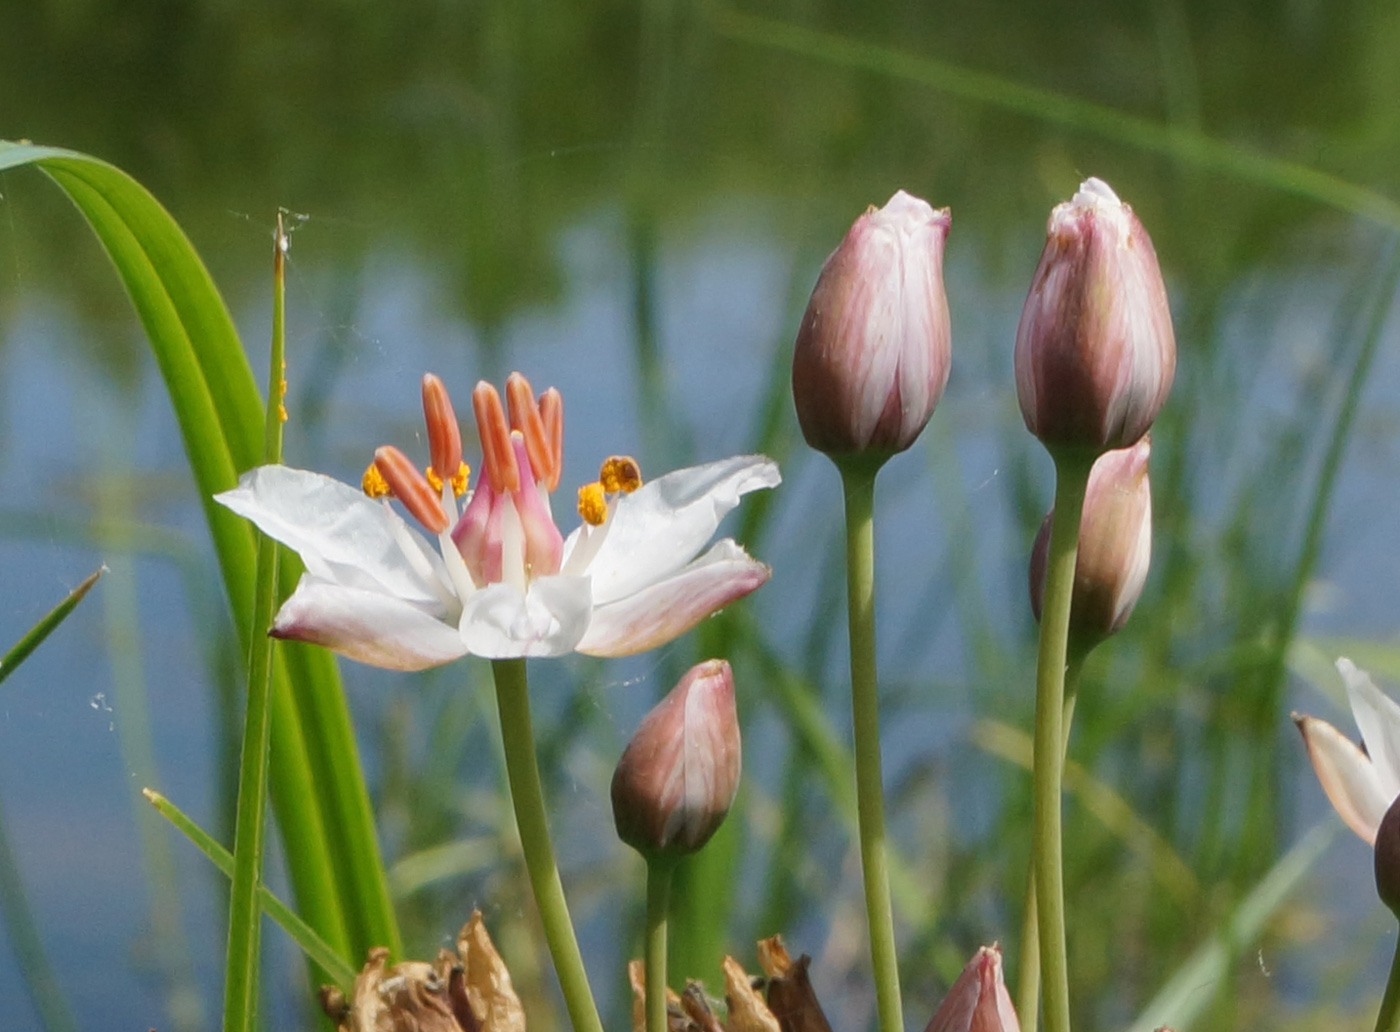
[
  {"x": 501, "y": 582},
  {"x": 1361, "y": 785}
]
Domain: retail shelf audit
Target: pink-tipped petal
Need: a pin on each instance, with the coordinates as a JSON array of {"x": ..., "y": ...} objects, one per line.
[
  {"x": 666, "y": 610},
  {"x": 662, "y": 525},
  {"x": 499, "y": 622},
  {"x": 367, "y": 626},
  {"x": 1347, "y": 776},
  {"x": 978, "y": 1000}
]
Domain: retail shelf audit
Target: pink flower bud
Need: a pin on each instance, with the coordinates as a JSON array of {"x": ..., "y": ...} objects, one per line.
[
  {"x": 1095, "y": 353},
  {"x": 873, "y": 350},
  {"x": 678, "y": 775},
  {"x": 1115, "y": 546},
  {"x": 978, "y": 1001}
]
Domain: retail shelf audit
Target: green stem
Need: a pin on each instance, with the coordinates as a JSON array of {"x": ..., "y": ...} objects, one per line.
[
  {"x": 527, "y": 796},
  {"x": 1388, "y": 1020},
  {"x": 658, "y": 899},
  {"x": 1071, "y": 479},
  {"x": 1028, "y": 978},
  {"x": 858, "y": 479},
  {"x": 245, "y": 912}
]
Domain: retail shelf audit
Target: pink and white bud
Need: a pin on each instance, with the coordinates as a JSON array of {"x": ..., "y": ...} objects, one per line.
[
  {"x": 1095, "y": 354},
  {"x": 978, "y": 1001},
  {"x": 874, "y": 347},
  {"x": 678, "y": 775},
  {"x": 1115, "y": 546}
]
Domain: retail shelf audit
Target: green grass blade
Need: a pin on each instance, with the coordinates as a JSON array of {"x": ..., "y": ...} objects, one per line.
[
  {"x": 41, "y": 630},
  {"x": 241, "y": 957},
  {"x": 317, "y": 787},
  {"x": 316, "y": 948},
  {"x": 1174, "y": 141},
  {"x": 1186, "y": 995}
]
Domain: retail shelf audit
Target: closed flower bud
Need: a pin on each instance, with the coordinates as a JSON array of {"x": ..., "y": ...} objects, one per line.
[
  {"x": 1115, "y": 546},
  {"x": 1095, "y": 355},
  {"x": 873, "y": 350},
  {"x": 678, "y": 775},
  {"x": 1388, "y": 858},
  {"x": 978, "y": 1001}
]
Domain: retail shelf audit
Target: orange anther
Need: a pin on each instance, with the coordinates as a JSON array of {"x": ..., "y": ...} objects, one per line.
[
  {"x": 592, "y": 505},
  {"x": 497, "y": 456},
  {"x": 373, "y": 482},
  {"x": 411, "y": 488},
  {"x": 552, "y": 414},
  {"x": 525, "y": 418},
  {"x": 620, "y": 473},
  {"x": 444, "y": 436}
]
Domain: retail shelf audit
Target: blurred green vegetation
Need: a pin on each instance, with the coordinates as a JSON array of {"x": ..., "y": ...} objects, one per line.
[{"x": 469, "y": 141}]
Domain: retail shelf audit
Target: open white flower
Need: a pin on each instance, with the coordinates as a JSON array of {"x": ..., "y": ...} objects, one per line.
[
  {"x": 1361, "y": 785},
  {"x": 502, "y": 581}
]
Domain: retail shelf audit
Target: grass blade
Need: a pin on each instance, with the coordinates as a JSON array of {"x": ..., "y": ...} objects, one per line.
[
  {"x": 41, "y": 630},
  {"x": 301, "y": 933}
]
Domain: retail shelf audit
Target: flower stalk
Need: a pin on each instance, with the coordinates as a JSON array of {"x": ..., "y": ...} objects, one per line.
[
  {"x": 1071, "y": 480},
  {"x": 1388, "y": 1020},
  {"x": 858, "y": 480},
  {"x": 527, "y": 798},
  {"x": 659, "y": 871}
]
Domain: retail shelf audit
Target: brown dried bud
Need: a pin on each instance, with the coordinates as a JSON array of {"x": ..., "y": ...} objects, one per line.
[
  {"x": 677, "y": 777},
  {"x": 791, "y": 997}
]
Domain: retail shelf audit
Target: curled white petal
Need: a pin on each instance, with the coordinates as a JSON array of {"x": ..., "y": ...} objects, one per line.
[
  {"x": 1347, "y": 776},
  {"x": 666, "y": 610},
  {"x": 501, "y": 622},
  {"x": 1378, "y": 718},
  {"x": 342, "y": 536},
  {"x": 368, "y": 626},
  {"x": 662, "y": 525}
]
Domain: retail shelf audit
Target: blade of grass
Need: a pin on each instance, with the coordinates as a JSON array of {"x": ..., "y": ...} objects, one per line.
[
  {"x": 244, "y": 913},
  {"x": 1181, "y": 143},
  {"x": 1188, "y": 992},
  {"x": 318, "y": 791},
  {"x": 41, "y": 630},
  {"x": 301, "y": 933}
]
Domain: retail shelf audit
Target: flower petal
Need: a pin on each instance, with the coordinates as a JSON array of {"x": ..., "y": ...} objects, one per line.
[
  {"x": 1347, "y": 775},
  {"x": 342, "y": 536},
  {"x": 499, "y": 622},
  {"x": 666, "y": 610},
  {"x": 1378, "y": 717},
  {"x": 663, "y": 524},
  {"x": 368, "y": 626}
]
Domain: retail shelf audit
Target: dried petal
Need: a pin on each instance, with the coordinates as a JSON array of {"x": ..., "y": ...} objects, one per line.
[
  {"x": 747, "y": 1010},
  {"x": 488, "y": 981}
]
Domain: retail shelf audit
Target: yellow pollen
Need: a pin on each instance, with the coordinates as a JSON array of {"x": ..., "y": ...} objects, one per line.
[
  {"x": 592, "y": 504},
  {"x": 373, "y": 483},
  {"x": 459, "y": 479},
  {"x": 620, "y": 473}
]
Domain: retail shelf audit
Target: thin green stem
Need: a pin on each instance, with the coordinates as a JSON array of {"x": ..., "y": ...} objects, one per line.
[
  {"x": 527, "y": 796},
  {"x": 1071, "y": 479},
  {"x": 1388, "y": 1020},
  {"x": 858, "y": 479},
  {"x": 1028, "y": 977},
  {"x": 658, "y": 899},
  {"x": 244, "y": 917},
  {"x": 41, "y": 630}
]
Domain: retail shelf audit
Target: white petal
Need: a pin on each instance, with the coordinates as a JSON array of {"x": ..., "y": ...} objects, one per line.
[
  {"x": 1347, "y": 776},
  {"x": 664, "y": 611},
  {"x": 498, "y": 622},
  {"x": 342, "y": 536},
  {"x": 368, "y": 626},
  {"x": 663, "y": 524},
  {"x": 1378, "y": 717}
]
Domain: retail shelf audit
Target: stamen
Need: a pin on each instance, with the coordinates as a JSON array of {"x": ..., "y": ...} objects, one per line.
[
  {"x": 411, "y": 488},
  {"x": 497, "y": 456},
  {"x": 373, "y": 483},
  {"x": 526, "y": 420},
  {"x": 620, "y": 473},
  {"x": 458, "y": 481},
  {"x": 592, "y": 504},
  {"x": 552, "y": 413},
  {"x": 444, "y": 435}
]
